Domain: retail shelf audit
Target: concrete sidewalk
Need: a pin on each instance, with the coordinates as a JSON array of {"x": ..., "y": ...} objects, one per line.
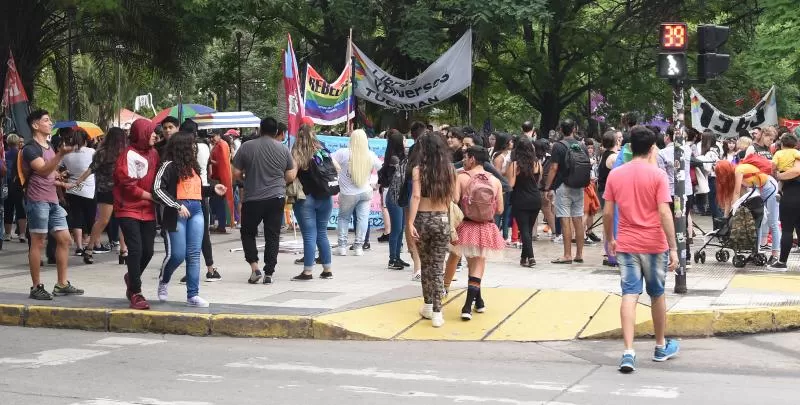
[{"x": 367, "y": 301}]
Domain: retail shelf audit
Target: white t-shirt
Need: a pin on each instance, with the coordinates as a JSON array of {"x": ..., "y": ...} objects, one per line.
[
  {"x": 76, "y": 163},
  {"x": 346, "y": 186},
  {"x": 237, "y": 143},
  {"x": 203, "y": 155}
]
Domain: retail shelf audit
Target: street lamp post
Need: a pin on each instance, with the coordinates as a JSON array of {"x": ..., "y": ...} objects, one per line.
[
  {"x": 72, "y": 96},
  {"x": 239, "y": 59}
]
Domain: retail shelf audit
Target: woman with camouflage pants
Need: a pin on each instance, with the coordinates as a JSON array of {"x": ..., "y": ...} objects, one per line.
[{"x": 433, "y": 182}]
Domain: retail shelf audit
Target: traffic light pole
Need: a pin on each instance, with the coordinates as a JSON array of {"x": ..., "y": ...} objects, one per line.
[{"x": 679, "y": 211}]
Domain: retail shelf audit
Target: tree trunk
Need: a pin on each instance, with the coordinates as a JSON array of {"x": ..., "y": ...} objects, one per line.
[{"x": 549, "y": 108}]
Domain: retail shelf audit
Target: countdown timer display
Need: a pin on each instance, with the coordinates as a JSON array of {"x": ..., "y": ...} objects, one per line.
[{"x": 674, "y": 37}]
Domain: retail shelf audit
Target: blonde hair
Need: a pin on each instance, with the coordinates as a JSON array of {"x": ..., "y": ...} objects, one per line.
[
  {"x": 743, "y": 143},
  {"x": 305, "y": 146},
  {"x": 13, "y": 140},
  {"x": 360, "y": 164}
]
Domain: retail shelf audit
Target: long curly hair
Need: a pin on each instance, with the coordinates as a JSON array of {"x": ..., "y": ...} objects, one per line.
[
  {"x": 182, "y": 151},
  {"x": 726, "y": 177},
  {"x": 305, "y": 146},
  {"x": 437, "y": 175},
  {"x": 525, "y": 156},
  {"x": 113, "y": 144}
]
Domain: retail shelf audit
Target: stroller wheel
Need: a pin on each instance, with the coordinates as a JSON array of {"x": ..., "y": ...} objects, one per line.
[
  {"x": 760, "y": 259},
  {"x": 739, "y": 261},
  {"x": 702, "y": 257},
  {"x": 720, "y": 256},
  {"x": 727, "y": 255},
  {"x": 697, "y": 257}
]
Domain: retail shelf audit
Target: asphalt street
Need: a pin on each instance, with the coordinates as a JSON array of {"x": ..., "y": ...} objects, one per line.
[{"x": 49, "y": 366}]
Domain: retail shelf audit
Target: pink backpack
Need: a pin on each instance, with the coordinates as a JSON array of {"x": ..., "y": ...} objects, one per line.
[{"x": 479, "y": 203}]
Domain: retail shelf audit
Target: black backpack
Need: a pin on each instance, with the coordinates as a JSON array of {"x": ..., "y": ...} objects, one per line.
[
  {"x": 395, "y": 189},
  {"x": 578, "y": 166},
  {"x": 322, "y": 179}
]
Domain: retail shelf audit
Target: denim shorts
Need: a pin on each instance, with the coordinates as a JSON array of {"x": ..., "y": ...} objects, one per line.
[
  {"x": 636, "y": 268},
  {"x": 44, "y": 217},
  {"x": 569, "y": 202}
]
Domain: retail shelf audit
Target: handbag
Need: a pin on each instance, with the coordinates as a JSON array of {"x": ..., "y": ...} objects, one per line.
[
  {"x": 456, "y": 217},
  {"x": 294, "y": 192}
]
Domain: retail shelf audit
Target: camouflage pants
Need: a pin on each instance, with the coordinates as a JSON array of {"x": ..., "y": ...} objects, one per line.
[{"x": 434, "y": 237}]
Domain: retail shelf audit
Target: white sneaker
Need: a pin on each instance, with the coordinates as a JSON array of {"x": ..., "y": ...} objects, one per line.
[
  {"x": 358, "y": 251},
  {"x": 437, "y": 320},
  {"x": 342, "y": 251},
  {"x": 459, "y": 268},
  {"x": 426, "y": 311},
  {"x": 559, "y": 240},
  {"x": 197, "y": 301},
  {"x": 163, "y": 293},
  {"x": 7, "y": 238}
]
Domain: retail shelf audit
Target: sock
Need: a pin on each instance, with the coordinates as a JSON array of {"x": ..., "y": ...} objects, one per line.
[
  {"x": 476, "y": 283},
  {"x": 660, "y": 346},
  {"x": 630, "y": 351}
]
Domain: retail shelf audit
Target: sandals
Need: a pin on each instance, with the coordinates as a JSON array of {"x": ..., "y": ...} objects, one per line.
[{"x": 88, "y": 256}]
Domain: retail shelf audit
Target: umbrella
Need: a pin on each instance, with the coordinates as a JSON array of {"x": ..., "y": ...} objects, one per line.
[
  {"x": 91, "y": 129},
  {"x": 189, "y": 111}
]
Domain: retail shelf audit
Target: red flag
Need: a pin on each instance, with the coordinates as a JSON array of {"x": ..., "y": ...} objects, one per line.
[
  {"x": 291, "y": 83},
  {"x": 15, "y": 100}
]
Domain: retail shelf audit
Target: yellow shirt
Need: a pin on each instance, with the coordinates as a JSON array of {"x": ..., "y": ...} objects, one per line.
[
  {"x": 752, "y": 177},
  {"x": 784, "y": 159}
]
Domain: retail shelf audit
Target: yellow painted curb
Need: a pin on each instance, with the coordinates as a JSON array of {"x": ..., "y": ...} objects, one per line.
[
  {"x": 327, "y": 329},
  {"x": 62, "y": 317},
  {"x": 263, "y": 326},
  {"x": 690, "y": 323},
  {"x": 176, "y": 323},
  {"x": 11, "y": 315},
  {"x": 736, "y": 321},
  {"x": 786, "y": 318}
]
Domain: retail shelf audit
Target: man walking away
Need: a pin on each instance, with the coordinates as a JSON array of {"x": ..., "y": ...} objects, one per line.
[
  {"x": 640, "y": 190},
  {"x": 266, "y": 166},
  {"x": 45, "y": 215},
  {"x": 570, "y": 172}
]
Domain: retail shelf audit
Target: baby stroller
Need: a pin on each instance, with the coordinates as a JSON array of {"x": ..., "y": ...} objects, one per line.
[{"x": 737, "y": 232}]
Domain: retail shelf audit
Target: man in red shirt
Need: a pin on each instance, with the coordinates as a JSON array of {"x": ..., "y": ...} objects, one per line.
[{"x": 645, "y": 245}]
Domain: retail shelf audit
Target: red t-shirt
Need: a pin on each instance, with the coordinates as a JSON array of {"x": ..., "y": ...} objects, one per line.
[{"x": 637, "y": 188}]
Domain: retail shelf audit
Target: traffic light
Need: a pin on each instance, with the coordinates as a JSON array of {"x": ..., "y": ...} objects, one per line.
[
  {"x": 672, "y": 58},
  {"x": 710, "y": 61}
]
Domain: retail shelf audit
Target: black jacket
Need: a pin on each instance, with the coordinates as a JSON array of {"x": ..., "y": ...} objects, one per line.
[{"x": 165, "y": 190}]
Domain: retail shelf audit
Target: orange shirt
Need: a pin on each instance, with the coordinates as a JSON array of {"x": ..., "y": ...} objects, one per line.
[
  {"x": 190, "y": 189},
  {"x": 751, "y": 176}
]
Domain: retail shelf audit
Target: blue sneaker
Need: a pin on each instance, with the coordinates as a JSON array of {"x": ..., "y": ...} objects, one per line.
[
  {"x": 670, "y": 350},
  {"x": 628, "y": 363}
]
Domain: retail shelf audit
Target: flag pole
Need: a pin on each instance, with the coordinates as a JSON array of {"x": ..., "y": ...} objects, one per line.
[{"x": 349, "y": 126}]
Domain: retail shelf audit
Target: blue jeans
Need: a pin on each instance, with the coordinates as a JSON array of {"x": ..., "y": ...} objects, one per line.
[
  {"x": 220, "y": 210},
  {"x": 503, "y": 221},
  {"x": 314, "y": 227},
  {"x": 185, "y": 244},
  {"x": 397, "y": 218},
  {"x": 712, "y": 198},
  {"x": 770, "y": 222},
  {"x": 348, "y": 204}
]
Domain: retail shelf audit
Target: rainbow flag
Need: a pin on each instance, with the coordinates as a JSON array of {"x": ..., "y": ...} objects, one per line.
[{"x": 327, "y": 103}]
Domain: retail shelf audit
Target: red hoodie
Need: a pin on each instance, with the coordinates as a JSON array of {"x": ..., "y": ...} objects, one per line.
[{"x": 135, "y": 173}]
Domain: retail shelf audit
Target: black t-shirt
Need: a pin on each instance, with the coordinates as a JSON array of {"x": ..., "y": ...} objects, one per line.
[
  {"x": 763, "y": 151},
  {"x": 559, "y": 156}
]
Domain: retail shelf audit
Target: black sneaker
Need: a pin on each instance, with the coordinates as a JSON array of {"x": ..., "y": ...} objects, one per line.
[
  {"x": 365, "y": 246},
  {"x": 182, "y": 280},
  {"x": 593, "y": 237},
  {"x": 403, "y": 263},
  {"x": 772, "y": 260},
  {"x": 383, "y": 238},
  {"x": 213, "y": 275},
  {"x": 395, "y": 265},
  {"x": 51, "y": 261},
  {"x": 302, "y": 260},
  {"x": 39, "y": 293},
  {"x": 778, "y": 265},
  {"x": 303, "y": 277},
  {"x": 255, "y": 277},
  {"x": 79, "y": 252},
  {"x": 68, "y": 289},
  {"x": 326, "y": 275},
  {"x": 267, "y": 279},
  {"x": 102, "y": 249}
]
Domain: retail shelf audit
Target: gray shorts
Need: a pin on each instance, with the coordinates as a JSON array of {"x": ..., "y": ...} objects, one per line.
[{"x": 569, "y": 202}]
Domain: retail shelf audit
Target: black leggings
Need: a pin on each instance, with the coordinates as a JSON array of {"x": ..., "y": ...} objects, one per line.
[
  {"x": 140, "y": 237},
  {"x": 14, "y": 208},
  {"x": 790, "y": 219},
  {"x": 206, "y": 246},
  {"x": 525, "y": 219}
]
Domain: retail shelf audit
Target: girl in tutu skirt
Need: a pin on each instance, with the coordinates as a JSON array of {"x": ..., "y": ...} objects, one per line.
[{"x": 481, "y": 197}]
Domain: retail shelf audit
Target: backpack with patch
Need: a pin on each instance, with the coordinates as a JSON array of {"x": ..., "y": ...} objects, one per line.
[
  {"x": 322, "y": 179},
  {"x": 479, "y": 202},
  {"x": 578, "y": 166},
  {"x": 394, "y": 191}
]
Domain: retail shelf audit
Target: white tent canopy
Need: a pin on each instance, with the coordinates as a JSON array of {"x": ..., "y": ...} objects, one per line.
[{"x": 238, "y": 119}]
